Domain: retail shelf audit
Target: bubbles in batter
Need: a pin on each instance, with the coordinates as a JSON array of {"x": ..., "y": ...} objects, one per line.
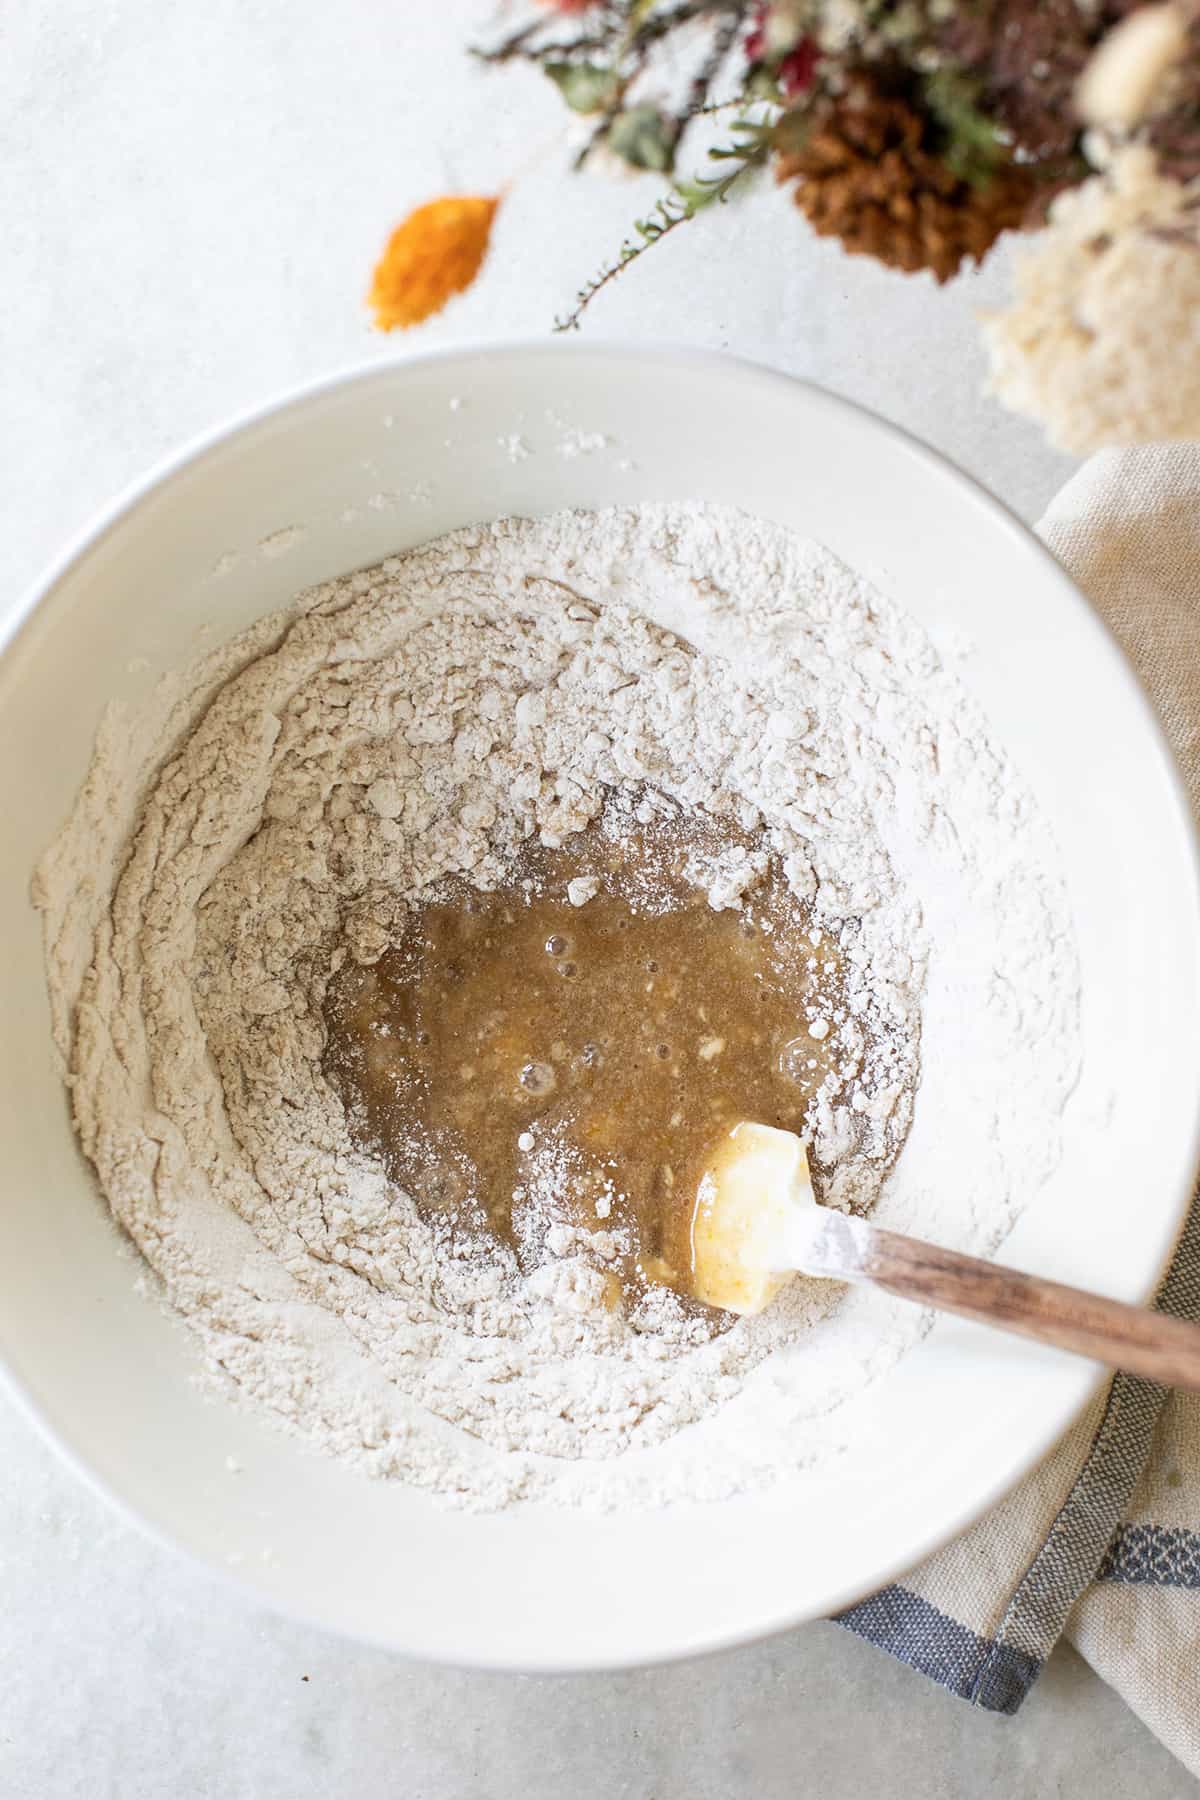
[{"x": 562, "y": 1051}]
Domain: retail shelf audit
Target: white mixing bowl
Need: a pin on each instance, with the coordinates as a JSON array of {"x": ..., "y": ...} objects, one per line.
[{"x": 377, "y": 460}]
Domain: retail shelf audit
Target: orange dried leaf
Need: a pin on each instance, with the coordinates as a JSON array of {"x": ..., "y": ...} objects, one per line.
[{"x": 434, "y": 254}]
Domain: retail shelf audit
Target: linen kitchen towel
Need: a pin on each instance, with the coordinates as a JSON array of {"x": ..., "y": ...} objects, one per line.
[{"x": 1102, "y": 1541}]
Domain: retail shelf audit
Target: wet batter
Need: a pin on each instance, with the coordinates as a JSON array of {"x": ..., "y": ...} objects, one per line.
[{"x": 564, "y": 1050}]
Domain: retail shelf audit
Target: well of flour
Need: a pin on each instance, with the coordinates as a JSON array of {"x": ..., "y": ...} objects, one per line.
[
  {"x": 561, "y": 1054},
  {"x": 281, "y": 813}
]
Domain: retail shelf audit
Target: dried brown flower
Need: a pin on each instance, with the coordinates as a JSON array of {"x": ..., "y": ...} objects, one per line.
[
  {"x": 1029, "y": 56},
  {"x": 870, "y": 173}
]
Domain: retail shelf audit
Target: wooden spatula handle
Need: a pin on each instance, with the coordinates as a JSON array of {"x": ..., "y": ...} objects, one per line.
[{"x": 1126, "y": 1337}]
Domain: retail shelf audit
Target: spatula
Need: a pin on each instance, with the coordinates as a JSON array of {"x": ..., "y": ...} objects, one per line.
[{"x": 757, "y": 1222}]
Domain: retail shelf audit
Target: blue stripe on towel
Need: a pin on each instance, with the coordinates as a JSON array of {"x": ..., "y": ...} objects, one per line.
[
  {"x": 991, "y": 1675},
  {"x": 1153, "y": 1556}
]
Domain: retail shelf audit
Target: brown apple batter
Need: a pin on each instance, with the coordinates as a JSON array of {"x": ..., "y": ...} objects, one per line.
[{"x": 563, "y": 1051}]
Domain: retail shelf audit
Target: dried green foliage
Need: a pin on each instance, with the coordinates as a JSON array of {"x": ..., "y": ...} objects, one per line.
[{"x": 985, "y": 88}]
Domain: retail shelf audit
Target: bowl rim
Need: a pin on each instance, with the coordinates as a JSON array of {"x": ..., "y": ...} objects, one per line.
[{"x": 1089, "y": 1378}]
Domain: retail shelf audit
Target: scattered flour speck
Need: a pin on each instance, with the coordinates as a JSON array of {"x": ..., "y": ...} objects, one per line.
[{"x": 279, "y": 543}]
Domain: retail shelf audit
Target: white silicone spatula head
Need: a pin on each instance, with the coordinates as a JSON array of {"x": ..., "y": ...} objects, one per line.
[
  {"x": 757, "y": 1219},
  {"x": 755, "y": 1210}
]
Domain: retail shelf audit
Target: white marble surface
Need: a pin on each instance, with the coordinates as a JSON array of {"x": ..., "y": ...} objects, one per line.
[{"x": 190, "y": 201}]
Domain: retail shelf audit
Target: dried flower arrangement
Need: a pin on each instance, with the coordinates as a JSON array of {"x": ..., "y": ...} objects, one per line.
[{"x": 915, "y": 132}]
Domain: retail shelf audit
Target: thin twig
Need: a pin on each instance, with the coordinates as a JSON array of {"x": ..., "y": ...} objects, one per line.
[
  {"x": 673, "y": 210},
  {"x": 553, "y": 51},
  {"x": 723, "y": 42},
  {"x": 701, "y": 82},
  {"x": 626, "y": 38},
  {"x": 603, "y": 125},
  {"x": 670, "y": 216},
  {"x": 719, "y": 106},
  {"x": 660, "y": 25},
  {"x": 508, "y": 47}
]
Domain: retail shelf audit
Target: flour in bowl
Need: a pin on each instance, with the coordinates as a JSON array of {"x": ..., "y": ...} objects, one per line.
[{"x": 282, "y": 811}]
